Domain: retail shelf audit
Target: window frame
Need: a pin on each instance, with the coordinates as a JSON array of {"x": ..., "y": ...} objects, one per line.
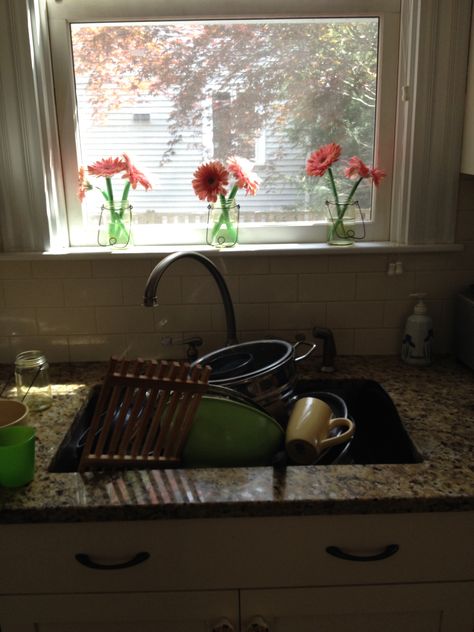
[
  {"x": 64, "y": 13},
  {"x": 434, "y": 49}
]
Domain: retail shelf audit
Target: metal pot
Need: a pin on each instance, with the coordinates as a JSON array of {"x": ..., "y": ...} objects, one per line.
[{"x": 264, "y": 370}]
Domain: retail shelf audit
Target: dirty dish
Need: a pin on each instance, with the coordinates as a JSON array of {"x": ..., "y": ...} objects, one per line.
[
  {"x": 13, "y": 412},
  {"x": 227, "y": 433}
]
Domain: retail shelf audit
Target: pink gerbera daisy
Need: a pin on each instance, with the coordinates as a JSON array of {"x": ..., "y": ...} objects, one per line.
[
  {"x": 84, "y": 184},
  {"x": 210, "y": 180},
  {"x": 107, "y": 167},
  {"x": 321, "y": 159},
  {"x": 377, "y": 175},
  {"x": 133, "y": 175},
  {"x": 356, "y": 169},
  {"x": 242, "y": 170}
]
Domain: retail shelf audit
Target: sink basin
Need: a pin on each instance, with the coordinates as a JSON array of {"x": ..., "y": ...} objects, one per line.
[{"x": 380, "y": 435}]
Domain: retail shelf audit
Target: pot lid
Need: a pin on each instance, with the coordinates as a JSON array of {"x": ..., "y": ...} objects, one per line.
[{"x": 243, "y": 360}]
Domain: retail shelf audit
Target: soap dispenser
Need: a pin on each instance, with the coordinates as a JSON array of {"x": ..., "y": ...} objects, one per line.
[{"x": 418, "y": 336}]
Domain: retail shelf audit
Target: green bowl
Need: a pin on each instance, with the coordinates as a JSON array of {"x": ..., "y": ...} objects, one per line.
[{"x": 227, "y": 433}]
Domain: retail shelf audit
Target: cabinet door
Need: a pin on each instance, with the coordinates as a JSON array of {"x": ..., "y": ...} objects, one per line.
[
  {"x": 411, "y": 608},
  {"x": 144, "y": 612}
]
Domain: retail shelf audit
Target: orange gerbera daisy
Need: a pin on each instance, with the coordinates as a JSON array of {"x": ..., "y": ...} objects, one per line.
[
  {"x": 84, "y": 184},
  {"x": 107, "y": 167},
  {"x": 242, "y": 170},
  {"x": 377, "y": 175},
  {"x": 133, "y": 175},
  {"x": 210, "y": 180},
  {"x": 356, "y": 169},
  {"x": 321, "y": 159}
]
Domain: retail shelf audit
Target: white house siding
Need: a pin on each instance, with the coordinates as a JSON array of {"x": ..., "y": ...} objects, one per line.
[{"x": 172, "y": 196}]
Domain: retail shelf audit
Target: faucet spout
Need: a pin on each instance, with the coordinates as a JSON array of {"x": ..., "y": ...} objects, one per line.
[{"x": 150, "y": 299}]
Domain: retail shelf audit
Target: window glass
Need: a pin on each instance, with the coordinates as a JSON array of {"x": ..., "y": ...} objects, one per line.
[{"x": 177, "y": 84}]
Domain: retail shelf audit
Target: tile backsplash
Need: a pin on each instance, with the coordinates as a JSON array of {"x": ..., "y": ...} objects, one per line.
[{"x": 82, "y": 310}]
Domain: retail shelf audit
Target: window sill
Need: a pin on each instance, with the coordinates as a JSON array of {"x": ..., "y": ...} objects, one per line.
[{"x": 362, "y": 248}]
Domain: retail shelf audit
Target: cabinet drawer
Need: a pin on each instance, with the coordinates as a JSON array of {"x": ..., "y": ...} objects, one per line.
[{"x": 235, "y": 553}]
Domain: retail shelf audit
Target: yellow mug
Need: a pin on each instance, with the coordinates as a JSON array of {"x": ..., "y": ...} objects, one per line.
[{"x": 309, "y": 426}]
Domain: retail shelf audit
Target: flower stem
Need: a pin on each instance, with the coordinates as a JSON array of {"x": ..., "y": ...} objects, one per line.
[{"x": 110, "y": 192}]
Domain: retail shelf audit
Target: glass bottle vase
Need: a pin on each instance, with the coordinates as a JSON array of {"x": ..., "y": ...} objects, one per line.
[
  {"x": 115, "y": 224},
  {"x": 223, "y": 224},
  {"x": 341, "y": 217}
]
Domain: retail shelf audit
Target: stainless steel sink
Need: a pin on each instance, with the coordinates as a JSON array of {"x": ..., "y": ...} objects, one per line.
[{"x": 380, "y": 435}]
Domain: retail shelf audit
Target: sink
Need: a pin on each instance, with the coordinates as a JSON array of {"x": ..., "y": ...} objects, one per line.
[{"x": 380, "y": 435}]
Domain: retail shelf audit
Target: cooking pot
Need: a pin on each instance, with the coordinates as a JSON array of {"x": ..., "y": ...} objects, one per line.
[{"x": 264, "y": 370}]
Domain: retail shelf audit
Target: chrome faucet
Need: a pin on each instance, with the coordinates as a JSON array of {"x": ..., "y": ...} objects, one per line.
[{"x": 150, "y": 299}]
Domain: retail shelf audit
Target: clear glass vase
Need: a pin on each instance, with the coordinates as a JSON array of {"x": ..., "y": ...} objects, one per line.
[
  {"x": 342, "y": 218},
  {"x": 115, "y": 224},
  {"x": 223, "y": 224}
]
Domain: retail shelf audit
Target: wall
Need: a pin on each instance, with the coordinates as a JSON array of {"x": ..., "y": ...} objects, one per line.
[{"x": 87, "y": 309}]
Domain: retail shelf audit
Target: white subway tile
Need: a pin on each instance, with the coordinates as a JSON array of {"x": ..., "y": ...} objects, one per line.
[
  {"x": 150, "y": 347},
  {"x": 65, "y": 320},
  {"x": 380, "y": 286},
  {"x": 326, "y": 287},
  {"x": 182, "y": 317},
  {"x": 60, "y": 268},
  {"x": 297, "y": 315},
  {"x": 353, "y": 314},
  {"x": 124, "y": 319},
  {"x": 443, "y": 284},
  {"x": 121, "y": 269},
  {"x": 15, "y": 270},
  {"x": 97, "y": 347},
  {"x": 269, "y": 288},
  {"x": 91, "y": 292},
  {"x": 37, "y": 293},
  {"x": 18, "y": 322},
  {"x": 377, "y": 341},
  {"x": 203, "y": 289},
  {"x": 298, "y": 264},
  {"x": 357, "y": 263},
  {"x": 247, "y": 316},
  {"x": 55, "y": 348}
]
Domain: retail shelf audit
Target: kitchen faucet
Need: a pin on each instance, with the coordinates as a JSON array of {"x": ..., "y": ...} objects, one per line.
[{"x": 151, "y": 287}]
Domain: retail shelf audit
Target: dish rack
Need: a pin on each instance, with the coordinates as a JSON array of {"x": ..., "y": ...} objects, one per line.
[{"x": 144, "y": 413}]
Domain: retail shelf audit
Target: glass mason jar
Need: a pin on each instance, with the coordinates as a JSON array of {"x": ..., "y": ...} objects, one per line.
[
  {"x": 115, "y": 224},
  {"x": 223, "y": 224},
  {"x": 32, "y": 380},
  {"x": 342, "y": 218}
]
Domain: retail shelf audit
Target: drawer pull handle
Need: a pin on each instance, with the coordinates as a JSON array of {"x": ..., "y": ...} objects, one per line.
[
  {"x": 85, "y": 560},
  {"x": 388, "y": 551},
  {"x": 223, "y": 625},
  {"x": 258, "y": 624}
]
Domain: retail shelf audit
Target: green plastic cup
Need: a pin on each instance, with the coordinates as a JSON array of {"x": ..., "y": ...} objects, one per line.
[{"x": 17, "y": 455}]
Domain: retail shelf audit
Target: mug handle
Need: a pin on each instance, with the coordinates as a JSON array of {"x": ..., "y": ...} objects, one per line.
[{"x": 338, "y": 422}]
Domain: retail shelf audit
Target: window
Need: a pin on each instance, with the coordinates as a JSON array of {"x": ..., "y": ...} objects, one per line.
[
  {"x": 38, "y": 166},
  {"x": 271, "y": 87}
]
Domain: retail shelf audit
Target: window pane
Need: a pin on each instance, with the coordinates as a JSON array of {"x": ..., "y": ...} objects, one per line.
[{"x": 173, "y": 95}]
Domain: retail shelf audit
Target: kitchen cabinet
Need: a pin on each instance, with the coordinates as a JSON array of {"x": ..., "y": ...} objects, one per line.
[{"x": 405, "y": 571}]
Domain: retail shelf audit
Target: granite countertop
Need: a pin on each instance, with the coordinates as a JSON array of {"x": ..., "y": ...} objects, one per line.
[{"x": 436, "y": 405}]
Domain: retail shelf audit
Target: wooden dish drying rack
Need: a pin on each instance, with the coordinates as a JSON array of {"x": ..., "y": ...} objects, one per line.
[{"x": 144, "y": 413}]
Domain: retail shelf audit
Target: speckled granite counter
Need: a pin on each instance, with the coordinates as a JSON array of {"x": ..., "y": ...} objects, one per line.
[{"x": 435, "y": 404}]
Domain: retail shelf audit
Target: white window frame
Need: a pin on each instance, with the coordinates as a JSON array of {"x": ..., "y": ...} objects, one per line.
[
  {"x": 427, "y": 150},
  {"x": 63, "y": 13}
]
